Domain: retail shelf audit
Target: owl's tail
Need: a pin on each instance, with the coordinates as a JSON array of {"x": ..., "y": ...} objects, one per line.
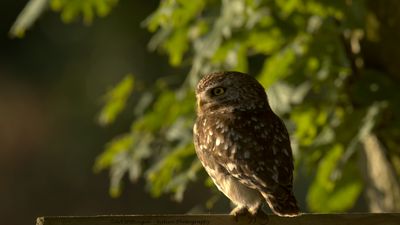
[{"x": 283, "y": 205}]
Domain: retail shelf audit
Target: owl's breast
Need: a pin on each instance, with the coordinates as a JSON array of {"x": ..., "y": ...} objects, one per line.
[{"x": 213, "y": 135}]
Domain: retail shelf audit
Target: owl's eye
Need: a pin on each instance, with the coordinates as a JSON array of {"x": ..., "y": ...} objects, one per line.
[{"x": 218, "y": 91}]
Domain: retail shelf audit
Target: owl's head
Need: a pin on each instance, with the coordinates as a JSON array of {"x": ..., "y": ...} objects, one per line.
[{"x": 224, "y": 92}]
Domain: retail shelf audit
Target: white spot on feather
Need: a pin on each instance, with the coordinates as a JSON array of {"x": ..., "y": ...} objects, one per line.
[
  {"x": 260, "y": 181},
  {"x": 208, "y": 139},
  {"x": 231, "y": 166},
  {"x": 233, "y": 150},
  {"x": 246, "y": 154},
  {"x": 217, "y": 141},
  {"x": 226, "y": 146}
]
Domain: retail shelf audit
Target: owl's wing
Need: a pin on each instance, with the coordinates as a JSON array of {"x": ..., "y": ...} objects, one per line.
[{"x": 257, "y": 152}]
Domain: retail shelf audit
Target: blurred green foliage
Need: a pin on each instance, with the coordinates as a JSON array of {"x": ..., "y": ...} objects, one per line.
[
  {"x": 88, "y": 9},
  {"x": 115, "y": 100},
  {"x": 306, "y": 52},
  {"x": 70, "y": 10}
]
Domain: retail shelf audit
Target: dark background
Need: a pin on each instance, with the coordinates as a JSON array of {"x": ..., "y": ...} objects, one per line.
[{"x": 51, "y": 83}]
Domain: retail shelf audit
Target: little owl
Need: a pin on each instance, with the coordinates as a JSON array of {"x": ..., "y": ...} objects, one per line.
[{"x": 243, "y": 145}]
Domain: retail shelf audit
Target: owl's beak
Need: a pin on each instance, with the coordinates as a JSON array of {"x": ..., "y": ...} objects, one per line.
[{"x": 202, "y": 100}]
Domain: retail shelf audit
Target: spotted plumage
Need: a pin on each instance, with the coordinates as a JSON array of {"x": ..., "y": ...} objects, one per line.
[{"x": 243, "y": 145}]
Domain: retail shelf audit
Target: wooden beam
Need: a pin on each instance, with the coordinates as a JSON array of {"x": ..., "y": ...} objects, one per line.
[{"x": 215, "y": 219}]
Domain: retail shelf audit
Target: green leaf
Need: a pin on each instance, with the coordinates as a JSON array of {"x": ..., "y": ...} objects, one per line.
[
  {"x": 277, "y": 66},
  {"x": 330, "y": 194},
  {"x": 179, "y": 183},
  {"x": 232, "y": 55},
  {"x": 171, "y": 13},
  {"x": 266, "y": 42},
  {"x": 176, "y": 46},
  {"x": 165, "y": 111},
  {"x": 71, "y": 9},
  {"x": 30, "y": 13},
  {"x": 287, "y": 7},
  {"x": 163, "y": 175},
  {"x": 117, "y": 171},
  {"x": 115, "y": 100},
  {"x": 308, "y": 121},
  {"x": 120, "y": 144}
]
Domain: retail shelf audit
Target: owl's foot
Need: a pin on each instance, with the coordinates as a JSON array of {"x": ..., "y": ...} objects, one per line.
[
  {"x": 258, "y": 215},
  {"x": 239, "y": 211},
  {"x": 253, "y": 215}
]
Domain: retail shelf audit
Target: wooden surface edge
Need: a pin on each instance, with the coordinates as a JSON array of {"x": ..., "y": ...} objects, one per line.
[{"x": 214, "y": 219}]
